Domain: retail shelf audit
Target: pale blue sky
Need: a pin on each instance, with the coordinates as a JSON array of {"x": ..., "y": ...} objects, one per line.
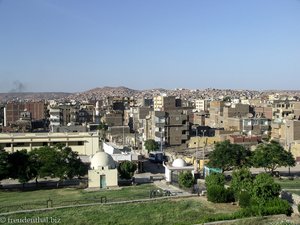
[{"x": 76, "y": 45}]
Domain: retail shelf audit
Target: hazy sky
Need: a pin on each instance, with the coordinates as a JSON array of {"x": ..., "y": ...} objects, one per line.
[{"x": 76, "y": 45}]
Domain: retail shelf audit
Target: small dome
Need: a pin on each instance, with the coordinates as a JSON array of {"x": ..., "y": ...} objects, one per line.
[
  {"x": 102, "y": 159},
  {"x": 179, "y": 163}
]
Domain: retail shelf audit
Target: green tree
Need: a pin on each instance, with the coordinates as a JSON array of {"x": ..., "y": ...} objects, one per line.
[
  {"x": 73, "y": 166},
  {"x": 21, "y": 167},
  {"x": 186, "y": 179},
  {"x": 62, "y": 163},
  {"x": 215, "y": 179},
  {"x": 4, "y": 166},
  {"x": 126, "y": 169},
  {"x": 227, "y": 156},
  {"x": 151, "y": 145},
  {"x": 242, "y": 180},
  {"x": 272, "y": 155},
  {"x": 264, "y": 189},
  {"x": 47, "y": 161}
]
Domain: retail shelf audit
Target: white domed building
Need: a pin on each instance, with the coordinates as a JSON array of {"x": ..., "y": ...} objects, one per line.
[
  {"x": 103, "y": 172},
  {"x": 177, "y": 166}
]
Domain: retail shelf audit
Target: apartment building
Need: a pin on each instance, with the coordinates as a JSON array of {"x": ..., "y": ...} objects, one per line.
[
  {"x": 86, "y": 143},
  {"x": 164, "y": 103},
  {"x": 13, "y": 110},
  {"x": 201, "y": 105}
]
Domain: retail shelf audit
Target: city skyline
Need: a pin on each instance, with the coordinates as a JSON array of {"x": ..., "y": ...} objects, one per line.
[{"x": 71, "y": 46}]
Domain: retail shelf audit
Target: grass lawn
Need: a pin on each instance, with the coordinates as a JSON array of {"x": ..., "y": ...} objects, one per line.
[
  {"x": 11, "y": 200},
  {"x": 289, "y": 184},
  {"x": 174, "y": 211},
  {"x": 294, "y": 192},
  {"x": 267, "y": 221}
]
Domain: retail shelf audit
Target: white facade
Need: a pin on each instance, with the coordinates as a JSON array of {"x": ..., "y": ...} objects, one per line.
[
  {"x": 103, "y": 173},
  {"x": 177, "y": 166},
  {"x": 85, "y": 143},
  {"x": 201, "y": 105}
]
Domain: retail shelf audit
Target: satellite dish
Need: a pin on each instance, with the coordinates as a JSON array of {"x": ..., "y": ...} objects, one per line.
[
  {"x": 227, "y": 104},
  {"x": 250, "y": 115}
]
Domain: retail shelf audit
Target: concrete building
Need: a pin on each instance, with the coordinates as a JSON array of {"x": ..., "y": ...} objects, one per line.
[
  {"x": 83, "y": 143},
  {"x": 176, "y": 128},
  {"x": 154, "y": 126},
  {"x": 201, "y": 105},
  {"x": 263, "y": 112},
  {"x": 215, "y": 118},
  {"x": 13, "y": 110},
  {"x": 164, "y": 103},
  {"x": 103, "y": 173},
  {"x": 282, "y": 109},
  {"x": 172, "y": 127},
  {"x": 256, "y": 126},
  {"x": 113, "y": 118},
  {"x": 244, "y": 140},
  {"x": 236, "y": 110}
]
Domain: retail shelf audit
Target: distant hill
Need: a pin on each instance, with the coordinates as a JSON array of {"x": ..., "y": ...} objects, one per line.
[
  {"x": 36, "y": 96},
  {"x": 103, "y": 92}
]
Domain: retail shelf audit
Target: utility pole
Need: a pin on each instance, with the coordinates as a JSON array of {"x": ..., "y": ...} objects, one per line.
[
  {"x": 203, "y": 153},
  {"x": 161, "y": 141},
  {"x": 197, "y": 147},
  {"x": 123, "y": 136},
  {"x": 286, "y": 142}
]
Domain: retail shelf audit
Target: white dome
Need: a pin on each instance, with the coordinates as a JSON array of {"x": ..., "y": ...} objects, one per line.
[
  {"x": 179, "y": 163},
  {"x": 102, "y": 159}
]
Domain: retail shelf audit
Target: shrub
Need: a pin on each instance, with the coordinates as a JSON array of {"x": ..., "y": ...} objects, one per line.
[
  {"x": 244, "y": 199},
  {"x": 264, "y": 188},
  {"x": 278, "y": 206},
  {"x": 215, "y": 179},
  {"x": 241, "y": 180},
  {"x": 126, "y": 169},
  {"x": 299, "y": 208},
  {"x": 219, "y": 194},
  {"x": 186, "y": 179}
]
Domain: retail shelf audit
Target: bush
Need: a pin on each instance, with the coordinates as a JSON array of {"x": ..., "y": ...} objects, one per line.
[
  {"x": 219, "y": 194},
  {"x": 126, "y": 169},
  {"x": 215, "y": 179},
  {"x": 244, "y": 199},
  {"x": 241, "y": 180},
  {"x": 278, "y": 206},
  {"x": 264, "y": 188},
  {"x": 186, "y": 179},
  {"x": 273, "y": 207},
  {"x": 299, "y": 208}
]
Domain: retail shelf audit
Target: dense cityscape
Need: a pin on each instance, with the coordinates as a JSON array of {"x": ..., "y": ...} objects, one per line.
[
  {"x": 164, "y": 112},
  {"x": 184, "y": 142}
]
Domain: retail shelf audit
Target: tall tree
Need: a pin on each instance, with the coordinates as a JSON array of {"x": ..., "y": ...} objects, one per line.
[
  {"x": 20, "y": 166},
  {"x": 151, "y": 145},
  {"x": 62, "y": 163},
  {"x": 47, "y": 161},
  {"x": 73, "y": 166},
  {"x": 227, "y": 156},
  {"x": 4, "y": 165},
  {"x": 272, "y": 155}
]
